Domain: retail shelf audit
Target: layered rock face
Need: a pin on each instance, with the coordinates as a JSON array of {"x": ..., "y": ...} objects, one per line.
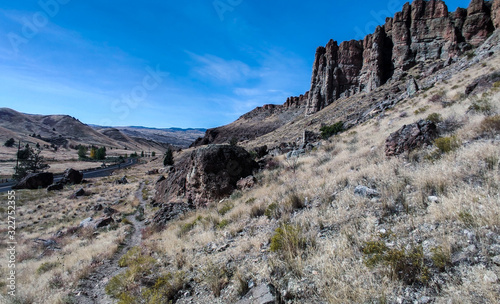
[
  {"x": 207, "y": 174},
  {"x": 424, "y": 30}
]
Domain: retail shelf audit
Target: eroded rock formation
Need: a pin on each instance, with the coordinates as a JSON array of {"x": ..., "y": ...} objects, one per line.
[{"x": 424, "y": 30}]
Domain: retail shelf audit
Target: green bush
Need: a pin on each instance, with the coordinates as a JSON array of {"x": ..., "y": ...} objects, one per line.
[
  {"x": 482, "y": 105},
  {"x": 273, "y": 211},
  {"x": 328, "y": 131},
  {"x": 421, "y": 110},
  {"x": 408, "y": 267},
  {"x": 288, "y": 240},
  {"x": 435, "y": 118},
  {"x": 222, "y": 224},
  {"x": 186, "y": 227},
  {"x": 165, "y": 288},
  {"x": 258, "y": 211},
  {"x": 440, "y": 259},
  {"x": 447, "y": 144},
  {"x": 226, "y": 208},
  {"x": 490, "y": 125},
  {"x": 10, "y": 142},
  {"x": 47, "y": 266}
]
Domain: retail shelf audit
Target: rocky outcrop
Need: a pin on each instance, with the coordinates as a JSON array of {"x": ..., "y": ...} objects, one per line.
[
  {"x": 207, "y": 174},
  {"x": 410, "y": 137},
  {"x": 35, "y": 181},
  {"x": 495, "y": 13},
  {"x": 422, "y": 31},
  {"x": 258, "y": 122}
]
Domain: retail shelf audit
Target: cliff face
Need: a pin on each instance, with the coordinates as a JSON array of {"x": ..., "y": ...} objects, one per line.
[{"x": 422, "y": 31}]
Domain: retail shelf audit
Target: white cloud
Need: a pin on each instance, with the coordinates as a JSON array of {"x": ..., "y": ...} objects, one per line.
[{"x": 219, "y": 69}]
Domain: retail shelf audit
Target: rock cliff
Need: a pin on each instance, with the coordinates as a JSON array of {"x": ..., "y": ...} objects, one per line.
[{"x": 422, "y": 31}]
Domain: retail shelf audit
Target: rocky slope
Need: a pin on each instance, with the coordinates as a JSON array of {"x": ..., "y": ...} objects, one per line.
[
  {"x": 260, "y": 121},
  {"x": 423, "y": 32}
]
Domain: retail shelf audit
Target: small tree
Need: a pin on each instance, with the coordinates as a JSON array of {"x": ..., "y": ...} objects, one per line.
[
  {"x": 168, "y": 160},
  {"x": 153, "y": 154},
  {"x": 82, "y": 152},
  {"x": 10, "y": 143},
  {"x": 142, "y": 153},
  {"x": 101, "y": 153},
  {"x": 33, "y": 163},
  {"x": 93, "y": 152}
]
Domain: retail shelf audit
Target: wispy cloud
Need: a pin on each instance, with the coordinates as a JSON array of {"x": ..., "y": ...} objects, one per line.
[{"x": 219, "y": 69}]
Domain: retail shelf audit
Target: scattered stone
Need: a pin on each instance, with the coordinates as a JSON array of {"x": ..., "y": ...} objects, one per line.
[
  {"x": 496, "y": 260},
  {"x": 433, "y": 199},
  {"x": 490, "y": 277},
  {"x": 86, "y": 222},
  {"x": 261, "y": 151},
  {"x": 262, "y": 294},
  {"x": 152, "y": 172},
  {"x": 295, "y": 153},
  {"x": 55, "y": 187},
  {"x": 103, "y": 222},
  {"x": 170, "y": 211},
  {"x": 35, "y": 181},
  {"x": 109, "y": 211},
  {"x": 122, "y": 181},
  {"x": 366, "y": 192},
  {"x": 246, "y": 183},
  {"x": 160, "y": 179},
  {"x": 72, "y": 177},
  {"x": 411, "y": 137},
  {"x": 412, "y": 87},
  {"x": 80, "y": 192}
]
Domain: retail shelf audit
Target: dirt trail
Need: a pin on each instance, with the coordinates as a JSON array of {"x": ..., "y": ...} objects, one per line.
[{"x": 91, "y": 289}]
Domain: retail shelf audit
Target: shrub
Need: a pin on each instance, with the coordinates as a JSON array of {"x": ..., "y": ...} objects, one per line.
[
  {"x": 435, "y": 118},
  {"x": 481, "y": 106},
  {"x": 328, "y": 131},
  {"x": 288, "y": 240},
  {"x": 295, "y": 202},
  {"x": 273, "y": 211},
  {"x": 217, "y": 277},
  {"x": 258, "y": 211},
  {"x": 165, "y": 288},
  {"x": 447, "y": 144},
  {"x": 222, "y": 224},
  {"x": 407, "y": 267},
  {"x": 421, "y": 110},
  {"x": 186, "y": 227},
  {"x": 440, "y": 259},
  {"x": 10, "y": 142},
  {"x": 490, "y": 126},
  {"x": 241, "y": 284},
  {"x": 47, "y": 266},
  {"x": 226, "y": 208}
]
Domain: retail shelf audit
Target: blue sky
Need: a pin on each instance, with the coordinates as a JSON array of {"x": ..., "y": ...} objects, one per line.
[{"x": 162, "y": 63}]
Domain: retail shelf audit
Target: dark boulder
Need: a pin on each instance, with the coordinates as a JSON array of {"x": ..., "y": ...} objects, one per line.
[
  {"x": 103, "y": 222},
  {"x": 411, "y": 137},
  {"x": 206, "y": 174},
  {"x": 55, "y": 187},
  {"x": 72, "y": 176},
  {"x": 35, "y": 181}
]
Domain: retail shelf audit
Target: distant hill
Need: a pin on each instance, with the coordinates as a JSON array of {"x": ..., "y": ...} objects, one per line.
[
  {"x": 174, "y": 136},
  {"x": 64, "y": 130}
]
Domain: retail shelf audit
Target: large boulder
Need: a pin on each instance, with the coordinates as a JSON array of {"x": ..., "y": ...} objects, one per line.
[
  {"x": 169, "y": 212},
  {"x": 410, "y": 137},
  {"x": 72, "y": 176},
  {"x": 206, "y": 174},
  {"x": 35, "y": 181}
]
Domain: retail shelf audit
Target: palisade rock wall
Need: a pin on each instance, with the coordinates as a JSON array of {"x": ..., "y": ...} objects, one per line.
[{"x": 423, "y": 30}]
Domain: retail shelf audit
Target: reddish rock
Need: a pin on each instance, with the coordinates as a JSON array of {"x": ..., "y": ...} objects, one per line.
[
  {"x": 410, "y": 137},
  {"x": 495, "y": 13},
  {"x": 246, "y": 183},
  {"x": 478, "y": 24}
]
